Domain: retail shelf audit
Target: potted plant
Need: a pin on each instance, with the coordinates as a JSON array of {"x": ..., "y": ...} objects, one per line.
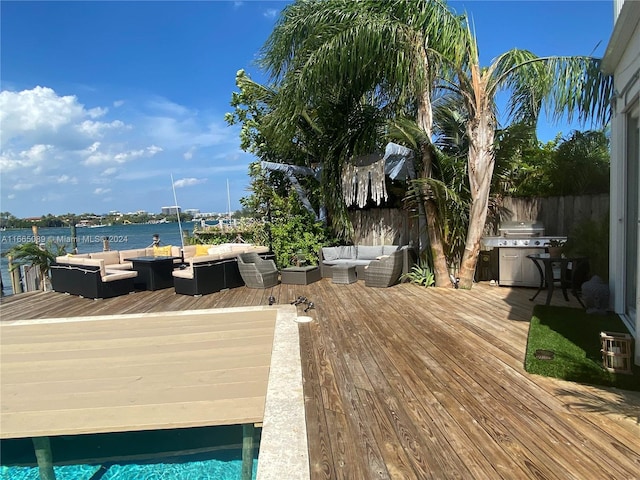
[{"x": 554, "y": 247}]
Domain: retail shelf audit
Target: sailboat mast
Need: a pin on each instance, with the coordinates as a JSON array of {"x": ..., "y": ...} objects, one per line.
[
  {"x": 175, "y": 202},
  {"x": 228, "y": 201}
]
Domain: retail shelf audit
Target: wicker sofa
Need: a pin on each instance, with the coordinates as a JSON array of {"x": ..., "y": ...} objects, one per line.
[
  {"x": 90, "y": 277},
  {"x": 384, "y": 272},
  {"x": 360, "y": 256}
]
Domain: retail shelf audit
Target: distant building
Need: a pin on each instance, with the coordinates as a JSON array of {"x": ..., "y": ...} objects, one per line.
[
  {"x": 192, "y": 211},
  {"x": 173, "y": 210}
]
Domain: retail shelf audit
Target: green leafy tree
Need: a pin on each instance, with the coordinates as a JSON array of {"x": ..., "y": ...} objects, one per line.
[
  {"x": 345, "y": 53},
  {"x": 289, "y": 229},
  {"x": 580, "y": 165}
]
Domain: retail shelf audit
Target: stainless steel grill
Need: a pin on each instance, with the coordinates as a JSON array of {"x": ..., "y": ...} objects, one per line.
[{"x": 515, "y": 242}]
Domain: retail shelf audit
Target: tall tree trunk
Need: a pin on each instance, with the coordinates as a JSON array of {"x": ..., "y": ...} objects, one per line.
[
  {"x": 481, "y": 162},
  {"x": 440, "y": 270}
]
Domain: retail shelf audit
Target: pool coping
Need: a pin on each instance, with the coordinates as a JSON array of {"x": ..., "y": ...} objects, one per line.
[{"x": 284, "y": 451}]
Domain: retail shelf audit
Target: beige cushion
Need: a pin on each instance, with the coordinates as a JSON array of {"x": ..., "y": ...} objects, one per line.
[
  {"x": 74, "y": 260},
  {"x": 257, "y": 249},
  {"x": 113, "y": 275},
  {"x": 183, "y": 273},
  {"x": 203, "y": 258},
  {"x": 135, "y": 252},
  {"x": 110, "y": 257},
  {"x": 189, "y": 251},
  {"x": 233, "y": 254},
  {"x": 121, "y": 266}
]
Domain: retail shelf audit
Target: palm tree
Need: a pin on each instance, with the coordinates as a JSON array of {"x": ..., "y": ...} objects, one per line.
[
  {"x": 561, "y": 85},
  {"x": 344, "y": 51},
  {"x": 396, "y": 51},
  {"x": 41, "y": 256}
]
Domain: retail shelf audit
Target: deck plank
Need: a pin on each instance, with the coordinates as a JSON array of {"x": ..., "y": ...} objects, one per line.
[{"x": 403, "y": 382}]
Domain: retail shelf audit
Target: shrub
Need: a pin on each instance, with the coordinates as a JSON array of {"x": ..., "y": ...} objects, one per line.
[{"x": 420, "y": 274}]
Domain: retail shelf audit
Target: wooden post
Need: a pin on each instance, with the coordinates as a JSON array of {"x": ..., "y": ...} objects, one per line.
[
  {"x": 16, "y": 284},
  {"x": 42, "y": 446},
  {"x": 105, "y": 244},
  {"x": 74, "y": 239},
  {"x": 248, "y": 432}
]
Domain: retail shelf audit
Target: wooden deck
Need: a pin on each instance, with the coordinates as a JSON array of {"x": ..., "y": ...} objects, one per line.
[{"x": 416, "y": 383}]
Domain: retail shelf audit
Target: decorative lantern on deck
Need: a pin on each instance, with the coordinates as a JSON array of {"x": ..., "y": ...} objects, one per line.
[{"x": 616, "y": 352}]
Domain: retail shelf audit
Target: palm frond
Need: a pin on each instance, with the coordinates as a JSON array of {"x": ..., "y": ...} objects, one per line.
[{"x": 571, "y": 86}]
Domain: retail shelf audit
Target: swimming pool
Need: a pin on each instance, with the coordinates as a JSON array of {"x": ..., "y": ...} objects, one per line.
[{"x": 183, "y": 454}]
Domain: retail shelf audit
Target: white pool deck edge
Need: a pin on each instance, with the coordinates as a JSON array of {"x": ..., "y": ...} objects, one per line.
[{"x": 283, "y": 450}]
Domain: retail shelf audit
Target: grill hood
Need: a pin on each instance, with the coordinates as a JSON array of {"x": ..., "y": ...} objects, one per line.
[{"x": 521, "y": 229}]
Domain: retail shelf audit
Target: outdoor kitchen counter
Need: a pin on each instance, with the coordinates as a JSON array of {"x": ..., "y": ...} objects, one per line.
[{"x": 569, "y": 266}]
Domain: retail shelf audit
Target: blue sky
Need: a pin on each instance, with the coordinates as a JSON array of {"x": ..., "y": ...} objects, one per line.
[{"x": 102, "y": 102}]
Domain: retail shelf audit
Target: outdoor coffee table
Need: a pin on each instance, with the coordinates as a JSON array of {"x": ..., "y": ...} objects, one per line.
[
  {"x": 343, "y": 273},
  {"x": 300, "y": 275},
  {"x": 154, "y": 273}
]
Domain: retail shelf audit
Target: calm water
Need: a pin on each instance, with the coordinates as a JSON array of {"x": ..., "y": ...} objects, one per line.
[
  {"x": 121, "y": 237},
  {"x": 204, "y": 453}
]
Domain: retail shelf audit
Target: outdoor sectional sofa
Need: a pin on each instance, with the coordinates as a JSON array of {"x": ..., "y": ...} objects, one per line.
[
  {"x": 90, "y": 278},
  {"x": 218, "y": 270},
  {"x": 360, "y": 256},
  {"x": 199, "y": 269}
]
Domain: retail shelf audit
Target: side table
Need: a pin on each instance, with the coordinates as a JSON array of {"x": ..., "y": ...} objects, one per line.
[
  {"x": 300, "y": 275},
  {"x": 343, "y": 273}
]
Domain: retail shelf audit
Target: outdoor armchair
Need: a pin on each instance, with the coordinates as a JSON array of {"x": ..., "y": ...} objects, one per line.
[
  {"x": 256, "y": 271},
  {"x": 384, "y": 272}
]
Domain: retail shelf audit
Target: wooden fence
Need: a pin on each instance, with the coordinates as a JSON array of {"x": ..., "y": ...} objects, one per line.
[
  {"x": 558, "y": 214},
  {"x": 379, "y": 226}
]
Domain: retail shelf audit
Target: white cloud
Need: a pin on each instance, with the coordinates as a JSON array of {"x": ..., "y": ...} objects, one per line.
[
  {"x": 188, "y": 155},
  {"x": 185, "y": 133},
  {"x": 270, "y": 13},
  {"x": 39, "y": 110},
  {"x": 33, "y": 158},
  {"x": 162, "y": 105},
  {"x": 66, "y": 179},
  {"x": 188, "y": 182},
  {"x": 94, "y": 156},
  {"x": 98, "y": 129},
  {"x": 55, "y": 145}
]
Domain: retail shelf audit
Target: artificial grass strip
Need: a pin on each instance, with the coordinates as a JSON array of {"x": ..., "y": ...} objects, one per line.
[{"x": 574, "y": 337}]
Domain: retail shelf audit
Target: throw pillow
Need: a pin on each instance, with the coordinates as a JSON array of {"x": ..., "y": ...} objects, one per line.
[
  {"x": 162, "y": 251},
  {"x": 202, "y": 250}
]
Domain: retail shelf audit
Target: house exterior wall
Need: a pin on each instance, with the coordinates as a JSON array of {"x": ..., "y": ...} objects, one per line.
[{"x": 622, "y": 60}]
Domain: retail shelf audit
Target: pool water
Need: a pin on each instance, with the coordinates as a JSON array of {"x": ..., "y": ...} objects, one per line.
[{"x": 186, "y": 454}]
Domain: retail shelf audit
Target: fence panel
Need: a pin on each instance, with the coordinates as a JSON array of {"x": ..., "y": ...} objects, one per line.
[
  {"x": 557, "y": 214},
  {"x": 380, "y": 226}
]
